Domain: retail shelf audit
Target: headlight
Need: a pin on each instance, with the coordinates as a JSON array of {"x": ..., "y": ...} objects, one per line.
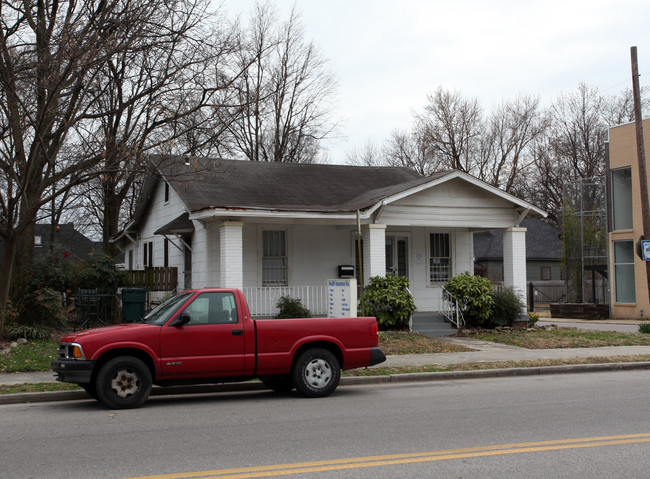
[{"x": 70, "y": 351}]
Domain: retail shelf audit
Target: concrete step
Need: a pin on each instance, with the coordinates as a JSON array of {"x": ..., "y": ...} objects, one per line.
[{"x": 432, "y": 325}]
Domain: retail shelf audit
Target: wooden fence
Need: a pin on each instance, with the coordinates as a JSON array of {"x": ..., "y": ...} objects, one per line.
[{"x": 154, "y": 279}]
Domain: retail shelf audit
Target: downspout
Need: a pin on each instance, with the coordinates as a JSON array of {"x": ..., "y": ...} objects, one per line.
[{"x": 360, "y": 261}]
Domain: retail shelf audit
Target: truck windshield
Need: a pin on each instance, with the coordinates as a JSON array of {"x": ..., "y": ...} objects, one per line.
[{"x": 165, "y": 310}]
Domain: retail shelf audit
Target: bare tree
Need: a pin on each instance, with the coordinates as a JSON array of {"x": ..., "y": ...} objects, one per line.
[
  {"x": 452, "y": 125},
  {"x": 573, "y": 147},
  {"x": 286, "y": 90},
  {"x": 50, "y": 56},
  {"x": 160, "y": 97},
  {"x": 412, "y": 150},
  {"x": 369, "y": 155},
  {"x": 505, "y": 143}
]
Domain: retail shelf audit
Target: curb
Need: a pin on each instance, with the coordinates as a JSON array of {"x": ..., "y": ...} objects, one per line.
[{"x": 345, "y": 381}]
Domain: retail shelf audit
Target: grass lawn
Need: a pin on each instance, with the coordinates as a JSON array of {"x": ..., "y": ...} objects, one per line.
[
  {"x": 562, "y": 338},
  {"x": 32, "y": 357},
  {"x": 36, "y": 355}
]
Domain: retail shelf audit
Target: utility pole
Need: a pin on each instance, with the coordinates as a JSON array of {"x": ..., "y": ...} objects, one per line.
[{"x": 643, "y": 177}]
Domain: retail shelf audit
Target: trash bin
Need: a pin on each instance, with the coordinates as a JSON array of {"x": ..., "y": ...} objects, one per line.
[{"x": 133, "y": 301}]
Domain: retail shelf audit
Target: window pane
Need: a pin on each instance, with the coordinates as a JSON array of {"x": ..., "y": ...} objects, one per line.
[
  {"x": 622, "y": 198},
  {"x": 623, "y": 252},
  {"x": 624, "y": 272},
  {"x": 440, "y": 258},
  {"x": 274, "y": 260}
]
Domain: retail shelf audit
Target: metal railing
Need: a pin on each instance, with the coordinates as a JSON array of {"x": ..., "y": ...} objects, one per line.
[
  {"x": 451, "y": 310},
  {"x": 262, "y": 300}
]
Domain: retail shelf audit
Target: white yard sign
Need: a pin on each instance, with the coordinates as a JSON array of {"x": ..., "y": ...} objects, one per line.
[{"x": 342, "y": 298}]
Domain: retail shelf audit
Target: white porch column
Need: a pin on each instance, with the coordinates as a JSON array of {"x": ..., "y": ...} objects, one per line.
[
  {"x": 374, "y": 251},
  {"x": 231, "y": 254},
  {"x": 514, "y": 260}
]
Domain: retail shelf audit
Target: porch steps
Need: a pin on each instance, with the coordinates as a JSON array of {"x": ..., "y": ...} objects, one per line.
[{"x": 432, "y": 325}]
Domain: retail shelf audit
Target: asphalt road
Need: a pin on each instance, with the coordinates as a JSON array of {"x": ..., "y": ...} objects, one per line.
[{"x": 575, "y": 426}]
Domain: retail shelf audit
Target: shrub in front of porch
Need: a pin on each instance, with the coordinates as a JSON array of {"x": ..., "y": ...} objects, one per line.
[
  {"x": 475, "y": 297},
  {"x": 291, "y": 308},
  {"x": 389, "y": 300},
  {"x": 507, "y": 308}
]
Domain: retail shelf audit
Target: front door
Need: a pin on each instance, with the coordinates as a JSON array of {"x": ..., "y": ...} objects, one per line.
[
  {"x": 210, "y": 345},
  {"x": 397, "y": 256}
]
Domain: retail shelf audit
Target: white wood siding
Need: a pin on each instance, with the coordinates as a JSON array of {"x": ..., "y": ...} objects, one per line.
[{"x": 449, "y": 205}]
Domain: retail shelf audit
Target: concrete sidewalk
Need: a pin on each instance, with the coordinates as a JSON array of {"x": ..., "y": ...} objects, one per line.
[{"x": 482, "y": 351}]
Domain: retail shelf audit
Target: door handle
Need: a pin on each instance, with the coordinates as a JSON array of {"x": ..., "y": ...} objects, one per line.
[{"x": 237, "y": 332}]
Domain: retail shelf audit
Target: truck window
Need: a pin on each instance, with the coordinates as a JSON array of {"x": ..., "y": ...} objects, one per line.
[{"x": 212, "y": 308}]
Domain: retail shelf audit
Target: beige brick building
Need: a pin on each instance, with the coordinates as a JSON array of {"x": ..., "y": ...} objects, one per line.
[{"x": 629, "y": 288}]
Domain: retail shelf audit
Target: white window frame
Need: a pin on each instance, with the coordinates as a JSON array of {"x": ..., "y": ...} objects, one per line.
[
  {"x": 430, "y": 258},
  {"x": 268, "y": 282}
]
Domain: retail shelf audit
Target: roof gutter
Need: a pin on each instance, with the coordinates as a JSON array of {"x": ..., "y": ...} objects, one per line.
[{"x": 263, "y": 213}]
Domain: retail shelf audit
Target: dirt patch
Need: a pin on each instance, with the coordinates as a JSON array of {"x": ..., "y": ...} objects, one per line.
[{"x": 392, "y": 343}]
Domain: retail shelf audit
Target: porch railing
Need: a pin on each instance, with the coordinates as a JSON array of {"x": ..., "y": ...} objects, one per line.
[
  {"x": 451, "y": 310},
  {"x": 262, "y": 300}
]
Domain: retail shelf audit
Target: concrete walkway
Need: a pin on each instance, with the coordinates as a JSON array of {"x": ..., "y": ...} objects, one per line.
[{"x": 482, "y": 351}]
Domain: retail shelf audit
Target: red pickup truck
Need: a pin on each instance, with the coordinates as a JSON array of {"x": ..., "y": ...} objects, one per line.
[{"x": 207, "y": 336}]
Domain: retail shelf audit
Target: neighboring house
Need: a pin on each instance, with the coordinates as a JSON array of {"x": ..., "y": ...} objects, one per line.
[
  {"x": 629, "y": 285},
  {"x": 543, "y": 252},
  {"x": 283, "y": 228},
  {"x": 75, "y": 245}
]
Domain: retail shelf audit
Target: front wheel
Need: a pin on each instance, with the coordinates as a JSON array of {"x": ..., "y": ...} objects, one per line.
[
  {"x": 123, "y": 382},
  {"x": 316, "y": 373}
]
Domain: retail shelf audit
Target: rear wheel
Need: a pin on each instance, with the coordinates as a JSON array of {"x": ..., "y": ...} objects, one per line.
[
  {"x": 123, "y": 382},
  {"x": 316, "y": 373}
]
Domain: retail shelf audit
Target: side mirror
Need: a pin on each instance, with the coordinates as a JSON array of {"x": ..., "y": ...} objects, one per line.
[{"x": 182, "y": 320}]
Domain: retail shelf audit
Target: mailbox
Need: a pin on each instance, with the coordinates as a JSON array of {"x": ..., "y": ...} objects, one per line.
[{"x": 346, "y": 271}]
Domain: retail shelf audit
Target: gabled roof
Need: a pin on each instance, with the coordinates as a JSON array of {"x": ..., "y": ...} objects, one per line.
[
  {"x": 217, "y": 183},
  {"x": 74, "y": 243},
  {"x": 209, "y": 187},
  {"x": 542, "y": 242}
]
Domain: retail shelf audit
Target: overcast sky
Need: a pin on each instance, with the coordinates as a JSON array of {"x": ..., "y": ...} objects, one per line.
[{"x": 387, "y": 55}]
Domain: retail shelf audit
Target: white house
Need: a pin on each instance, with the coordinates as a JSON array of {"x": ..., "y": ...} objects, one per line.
[{"x": 277, "y": 229}]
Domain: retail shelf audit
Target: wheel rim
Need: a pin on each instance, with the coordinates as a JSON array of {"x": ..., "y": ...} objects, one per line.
[
  {"x": 318, "y": 373},
  {"x": 125, "y": 383}
]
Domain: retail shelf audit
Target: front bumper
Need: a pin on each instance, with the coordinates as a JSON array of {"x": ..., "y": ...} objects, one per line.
[
  {"x": 73, "y": 370},
  {"x": 376, "y": 356}
]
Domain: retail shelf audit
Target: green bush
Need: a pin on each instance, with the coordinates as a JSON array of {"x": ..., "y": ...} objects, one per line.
[
  {"x": 389, "y": 300},
  {"x": 28, "y": 332},
  {"x": 101, "y": 274},
  {"x": 55, "y": 271},
  {"x": 644, "y": 328},
  {"x": 40, "y": 308},
  {"x": 475, "y": 297},
  {"x": 291, "y": 308},
  {"x": 507, "y": 308},
  {"x": 532, "y": 319}
]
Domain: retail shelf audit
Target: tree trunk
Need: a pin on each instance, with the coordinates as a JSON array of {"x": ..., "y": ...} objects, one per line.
[
  {"x": 5, "y": 280},
  {"x": 23, "y": 257},
  {"x": 111, "y": 228}
]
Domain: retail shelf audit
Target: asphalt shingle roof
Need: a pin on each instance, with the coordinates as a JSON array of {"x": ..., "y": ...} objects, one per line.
[
  {"x": 217, "y": 183},
  {"x": 542, "y": 242}
]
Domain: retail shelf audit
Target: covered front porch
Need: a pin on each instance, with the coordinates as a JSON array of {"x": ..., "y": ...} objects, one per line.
[{"x": 270, "y": 261}]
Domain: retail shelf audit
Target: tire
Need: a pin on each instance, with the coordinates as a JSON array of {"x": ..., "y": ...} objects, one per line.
[
  {"x": 123, "y": 382},
  {"x": 280, "y": 384},
  {"x": 90, "y": 389},
  {"x": 316, "y": 373}
]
